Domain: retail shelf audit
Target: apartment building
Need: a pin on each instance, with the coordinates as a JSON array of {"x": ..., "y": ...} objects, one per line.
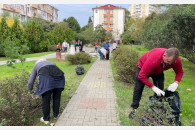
[
  {"x": 142, "y": 10},
  {"x": 25, "y": 11},
  {"x": 111, "y": 17}
]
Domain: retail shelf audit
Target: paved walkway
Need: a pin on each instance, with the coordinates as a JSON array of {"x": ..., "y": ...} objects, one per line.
[
  {"x": 94, "y": 102},
  {"x": 53, "y": 55}
]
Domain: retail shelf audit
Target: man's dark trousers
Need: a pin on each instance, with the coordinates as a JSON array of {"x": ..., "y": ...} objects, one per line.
[
  {"x": 107, "y": 54},
  {"x": 158, "y": 81},
  {"x": 46, "y": 98}
]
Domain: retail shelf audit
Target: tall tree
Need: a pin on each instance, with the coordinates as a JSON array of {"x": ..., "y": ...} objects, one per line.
[
  {"x": 73, "y": 24},
  {"x": 100, "y": 33},
  {"x": 89, "y": 21},
  {"x": 65, "y": 20},
  {"x": 35, "y": 35},
  {"x": 4, "y": 29},
  {"x": 17, "y": 33}
]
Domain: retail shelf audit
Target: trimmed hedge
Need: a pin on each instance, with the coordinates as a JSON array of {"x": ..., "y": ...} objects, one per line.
[
  {"x": 79, "y": 58},
  {"x": 52, "y": 48},
  {"x": 125, "y": 61}
]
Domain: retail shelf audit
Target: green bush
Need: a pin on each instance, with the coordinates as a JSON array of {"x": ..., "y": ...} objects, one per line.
[
  {"x": 52, "y": 48},
  {"x": 172, "y": 28},
  {"x": 117, "y": 52},
  {"x": 2, "y": 53},
  {"x": 79, "y": 58},
  {"x": 17, "y": 108},
  {"x": 126, "y": 64}
]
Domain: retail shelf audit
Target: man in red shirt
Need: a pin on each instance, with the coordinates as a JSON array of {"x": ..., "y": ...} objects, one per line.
[{"x": 152, "y": 64}]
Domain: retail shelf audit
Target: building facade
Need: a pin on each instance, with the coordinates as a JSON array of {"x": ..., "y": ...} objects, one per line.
[
  {"x": 111, "y": 17},
  {"x": 25, "y": 11},
  {"x": 142, "y": 10}
]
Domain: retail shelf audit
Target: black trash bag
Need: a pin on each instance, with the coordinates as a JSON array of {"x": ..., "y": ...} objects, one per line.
[
  {"x": 174, "y": 102},
  {"x": 79, "y": 69}
]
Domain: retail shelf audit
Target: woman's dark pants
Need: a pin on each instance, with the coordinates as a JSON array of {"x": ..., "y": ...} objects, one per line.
[{"x": 46, "y": 99}]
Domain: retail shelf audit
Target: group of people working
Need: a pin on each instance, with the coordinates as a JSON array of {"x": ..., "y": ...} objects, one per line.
[
  {"x": 104, "y": 51},
  {"x": 151, "y": 64}
]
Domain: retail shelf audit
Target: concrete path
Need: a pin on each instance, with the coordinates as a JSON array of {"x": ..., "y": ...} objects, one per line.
[
  {"x": 53, "y": 55},
  {"x": 94, "y": 102}
]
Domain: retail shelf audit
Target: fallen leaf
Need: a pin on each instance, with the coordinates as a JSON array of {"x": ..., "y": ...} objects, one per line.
[
  {"x": 189, "y": 89},
  {"x": 52, "y": 124}
]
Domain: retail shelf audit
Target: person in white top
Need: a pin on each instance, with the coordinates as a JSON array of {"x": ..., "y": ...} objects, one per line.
[
  {"x": 114, "y": 46},
  {"x": 102, "y": 53},
  {"x": 68, "y": 47},
  {"x": 64, "y": 45}
]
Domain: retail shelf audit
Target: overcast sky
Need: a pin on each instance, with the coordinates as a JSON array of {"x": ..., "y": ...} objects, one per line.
[{"x": 80, "y": 12}]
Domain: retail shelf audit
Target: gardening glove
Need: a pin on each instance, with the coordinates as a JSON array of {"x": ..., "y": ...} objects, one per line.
[
  {"x": 172, "y": 87},
  {"x": 158, "y": 91}
]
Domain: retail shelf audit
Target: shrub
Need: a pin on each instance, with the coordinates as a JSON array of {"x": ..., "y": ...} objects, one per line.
[
  {"x": 16, "y": 105},
  {"x": 52, "y": 48},
  {"x": 2, "y": 50},
  {"x": 79, "y": 58},
  {"x": 117, "y": 52},
  {"x": 126, "y": 64}
]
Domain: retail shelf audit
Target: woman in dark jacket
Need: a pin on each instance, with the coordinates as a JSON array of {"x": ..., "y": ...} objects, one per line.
[{"x": 51, "y": 80}]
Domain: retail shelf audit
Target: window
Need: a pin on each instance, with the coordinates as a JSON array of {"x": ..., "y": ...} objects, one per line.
[
  {"x": 28, "y": 9},
  {"x": 111, "y": 11},
  {"x": 33, "y": 12},
  {"x": 105, "y": 25},
  {"x": 22, "y": 7},
  {"x": 111, "y": 25},
  {"x": 105, "y": 18},
  {"x": 22, "y": 17},
  {"x": 42, "y": 6},
  {"x": 48, "y": 7},
  {"x": 96, "y": 11},
  {"x": 111, "y": 18},
  {"x": 105, "y": 11}
]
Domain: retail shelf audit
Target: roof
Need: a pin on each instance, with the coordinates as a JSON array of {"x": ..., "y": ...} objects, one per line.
[{"x": 109, "y": 6}]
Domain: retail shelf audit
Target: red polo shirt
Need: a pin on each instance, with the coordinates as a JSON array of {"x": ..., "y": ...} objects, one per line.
[{"x": 152, "y": 63}]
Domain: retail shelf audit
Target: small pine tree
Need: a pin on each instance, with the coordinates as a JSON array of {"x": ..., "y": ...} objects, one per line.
[{"x": 4, "y": 29}]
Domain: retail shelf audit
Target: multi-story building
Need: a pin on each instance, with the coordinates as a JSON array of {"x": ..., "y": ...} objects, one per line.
[
  {"x": 142, "y": 10},
  {"x": 25, "y": 11},
  {"x": 111, "y": 17}
]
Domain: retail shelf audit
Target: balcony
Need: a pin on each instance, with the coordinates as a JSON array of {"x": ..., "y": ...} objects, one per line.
[{"x": 34, "y": 6}]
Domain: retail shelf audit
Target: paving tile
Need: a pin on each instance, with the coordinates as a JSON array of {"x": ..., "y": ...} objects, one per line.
[{"x": 94, "y": 102}]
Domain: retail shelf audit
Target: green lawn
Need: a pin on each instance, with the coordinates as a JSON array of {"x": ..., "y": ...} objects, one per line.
[
  {"x": 124, "y": 92},
  {"x": 72, "y": 80},
  {"x": 29, "y": 55}
]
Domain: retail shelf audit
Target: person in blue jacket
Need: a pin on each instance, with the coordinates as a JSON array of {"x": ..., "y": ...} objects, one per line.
[
  {"x": 51, "y": 81},
  {"x": 106, "y": 45}
]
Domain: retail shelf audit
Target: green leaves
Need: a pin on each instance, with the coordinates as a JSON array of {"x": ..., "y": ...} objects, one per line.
[
  {"x": 125, "y": 61},
  {"x": 73, "y": 24},
  {"x": 173, "y": 28},
  {"x": 20, "y": 107}
]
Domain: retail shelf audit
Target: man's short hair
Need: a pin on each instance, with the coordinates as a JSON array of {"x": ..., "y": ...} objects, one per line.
[
  {"x": 172, "y": 52},
  {"x": 39, "y": 60}
]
